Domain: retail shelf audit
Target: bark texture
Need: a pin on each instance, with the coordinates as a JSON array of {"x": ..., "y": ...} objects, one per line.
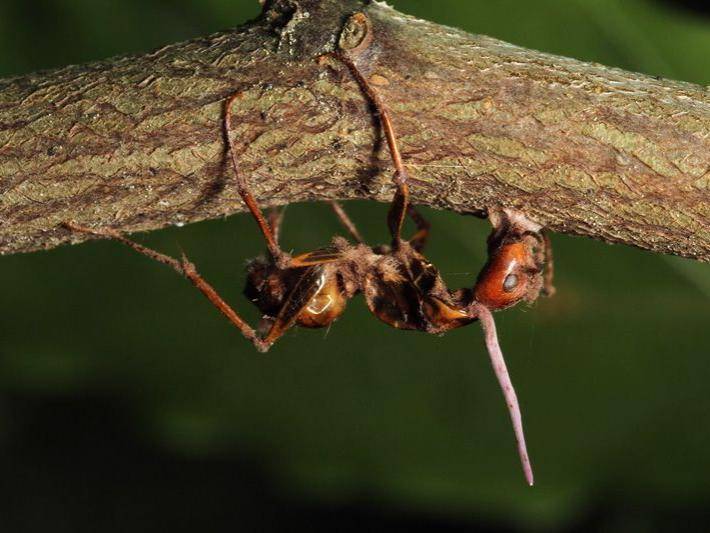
[{"x": 136, "y": 143}]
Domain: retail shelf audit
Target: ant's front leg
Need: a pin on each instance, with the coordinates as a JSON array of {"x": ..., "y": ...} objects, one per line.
[{"x": 186, "y": 269}]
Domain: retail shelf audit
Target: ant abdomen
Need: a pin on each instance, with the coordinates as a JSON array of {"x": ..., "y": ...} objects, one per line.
[
  {"x": 267, "y": 285},
  {"x": 326, "y": 305}
]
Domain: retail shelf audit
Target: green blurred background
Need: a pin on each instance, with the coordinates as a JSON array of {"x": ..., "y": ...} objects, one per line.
[{"x": 128, "y": 403}]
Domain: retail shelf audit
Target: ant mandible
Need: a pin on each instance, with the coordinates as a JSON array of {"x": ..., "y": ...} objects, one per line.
[{"x": 401, "y": 287}]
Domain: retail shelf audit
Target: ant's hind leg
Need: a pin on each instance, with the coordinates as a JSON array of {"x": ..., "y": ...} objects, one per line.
[
  {"x": 346, "y": 221},
  {"x": 186, "y": 269},
  {"x": 243, "y": 187}
]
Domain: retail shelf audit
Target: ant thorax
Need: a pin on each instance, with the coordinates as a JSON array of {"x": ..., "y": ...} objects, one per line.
[{"x": 406, "y": 291}]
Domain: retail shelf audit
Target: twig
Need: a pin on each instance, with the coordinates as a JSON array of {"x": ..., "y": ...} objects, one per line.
[{"x": 135, "y": 143}]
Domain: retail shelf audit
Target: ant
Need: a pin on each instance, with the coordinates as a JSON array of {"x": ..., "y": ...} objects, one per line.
[{"x": 401, "y": 287}]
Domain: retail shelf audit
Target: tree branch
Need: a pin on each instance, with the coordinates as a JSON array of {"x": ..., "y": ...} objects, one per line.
[{"x": 136, "y": 143}]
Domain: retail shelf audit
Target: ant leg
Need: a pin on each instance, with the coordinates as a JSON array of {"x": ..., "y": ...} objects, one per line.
[
  {"x": 419, "y": 240},
  {"x": 276, "y": 218},
  {"x": 243, "y": 187},
  {"x": 185, "y": 268},
  {"x": 548, "y": 289},
  {"x": 400, "y": 203},
  {"x": 346, "y": 221}
]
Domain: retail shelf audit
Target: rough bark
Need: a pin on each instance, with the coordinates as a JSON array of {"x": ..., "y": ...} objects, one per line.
[{"x": 136, "y": 143}]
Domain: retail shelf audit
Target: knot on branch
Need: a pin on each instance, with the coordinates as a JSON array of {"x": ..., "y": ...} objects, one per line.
[
  {"x": 308, "y": 28},
  {"x": 356, "y": 35}
]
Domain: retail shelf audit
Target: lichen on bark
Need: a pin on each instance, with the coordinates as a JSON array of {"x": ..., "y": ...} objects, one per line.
[{"x": 136, "y": 143}]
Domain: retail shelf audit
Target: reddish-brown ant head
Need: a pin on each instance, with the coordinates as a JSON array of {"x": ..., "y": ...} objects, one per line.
[{"x": 511, "y": 274}]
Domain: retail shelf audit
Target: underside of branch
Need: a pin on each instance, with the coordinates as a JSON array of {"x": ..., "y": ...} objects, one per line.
[{"x": 136, "y": 143}]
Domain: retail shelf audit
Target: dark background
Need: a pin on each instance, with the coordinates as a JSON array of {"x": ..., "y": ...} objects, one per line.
[{"x": 127, "y": 403}]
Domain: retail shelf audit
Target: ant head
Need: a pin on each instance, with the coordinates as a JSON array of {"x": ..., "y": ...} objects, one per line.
[{"x": 511, "y": 274}]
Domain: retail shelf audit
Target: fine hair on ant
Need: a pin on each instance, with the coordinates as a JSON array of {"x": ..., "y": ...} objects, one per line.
[{"x": 400, "y": 286}]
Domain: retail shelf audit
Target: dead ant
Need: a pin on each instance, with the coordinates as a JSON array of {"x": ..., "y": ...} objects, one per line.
[{"x": 401, "y": 287}]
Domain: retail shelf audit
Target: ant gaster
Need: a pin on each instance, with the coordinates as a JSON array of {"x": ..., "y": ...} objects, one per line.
[{"x": 401, "y": 287}]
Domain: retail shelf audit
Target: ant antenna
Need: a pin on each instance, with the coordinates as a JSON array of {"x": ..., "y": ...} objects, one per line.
[{"x": 501, "y": 370}]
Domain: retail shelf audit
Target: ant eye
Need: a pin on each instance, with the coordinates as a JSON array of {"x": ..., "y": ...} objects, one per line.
[{"x": 510, "y": 282}]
